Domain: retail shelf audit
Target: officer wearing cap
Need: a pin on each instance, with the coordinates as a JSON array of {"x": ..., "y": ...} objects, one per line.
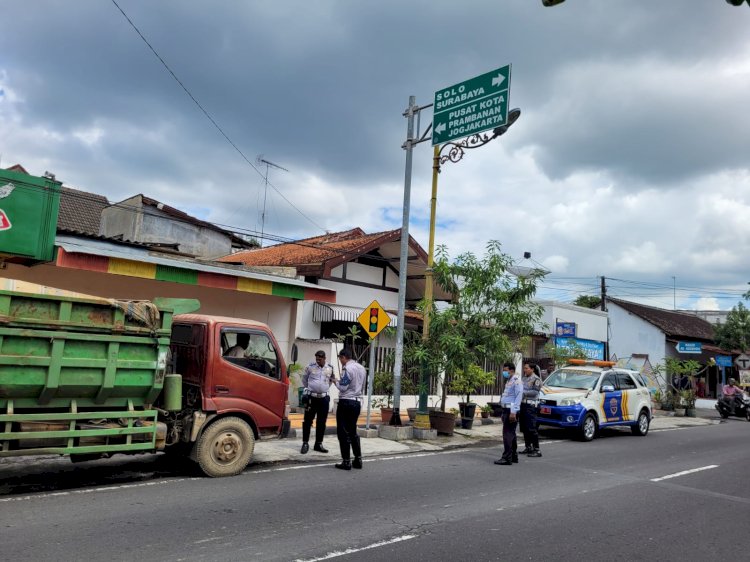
[{"x": 317, "y": 381}]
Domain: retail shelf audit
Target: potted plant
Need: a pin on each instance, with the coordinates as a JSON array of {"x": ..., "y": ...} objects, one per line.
[
  {"x": 443, "y": 422},
  {"x": 467, "y": 381},
  {"x": 486, "y": 411},
  {"x": 688, "y": 399},
  {"x": 456, "y": 416},
  {"x": 383, "y": 383},
  {"x": 657, "y": 398}
]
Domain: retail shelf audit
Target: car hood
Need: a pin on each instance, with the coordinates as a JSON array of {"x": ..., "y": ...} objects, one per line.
[{"x": 557, "y": 393}]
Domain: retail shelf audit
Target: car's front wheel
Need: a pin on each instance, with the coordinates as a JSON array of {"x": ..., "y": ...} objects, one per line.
[
  {"x": 588, "y": 428},
  {"x": 641, "y": 427}
]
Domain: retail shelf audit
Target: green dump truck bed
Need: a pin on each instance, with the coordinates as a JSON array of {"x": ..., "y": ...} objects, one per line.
[{"x": 65, "y": 361}]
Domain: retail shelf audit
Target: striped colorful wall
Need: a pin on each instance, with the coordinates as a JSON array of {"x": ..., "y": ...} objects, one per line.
[{"x": 131, "y": 268}]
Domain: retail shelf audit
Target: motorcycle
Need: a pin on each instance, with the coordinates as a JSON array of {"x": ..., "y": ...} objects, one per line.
[{"x": 741, "y": 407}]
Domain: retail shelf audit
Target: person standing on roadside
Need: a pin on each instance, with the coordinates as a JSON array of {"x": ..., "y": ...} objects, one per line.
[
  {"x": 317, "y": 381},
  {"x": 532, "y": 384},
  {"x": 350, "y": 386},
  {"x": 511, "y": 403}
]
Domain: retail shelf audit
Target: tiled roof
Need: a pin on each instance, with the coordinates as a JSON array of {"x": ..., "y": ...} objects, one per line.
[
  {"x": 673, "y": 324},
  {"x": 315, "y": 250},
  {"x": 80, "y": 211}
]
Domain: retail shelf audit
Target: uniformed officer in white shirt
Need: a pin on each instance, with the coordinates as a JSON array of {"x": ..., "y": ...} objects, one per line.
[{"x": 317, "y": 381}]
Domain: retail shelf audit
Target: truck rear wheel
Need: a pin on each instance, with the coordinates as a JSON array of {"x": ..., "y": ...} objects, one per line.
[{"x": 225, "y": 447}]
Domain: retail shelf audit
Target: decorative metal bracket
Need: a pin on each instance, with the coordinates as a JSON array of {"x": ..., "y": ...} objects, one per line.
[{"x": 456, "y": 150}]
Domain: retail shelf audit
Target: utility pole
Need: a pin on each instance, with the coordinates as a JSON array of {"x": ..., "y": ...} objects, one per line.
[
  {"x": 603, "y": 307},
  {"x": 674, "y": 293}
]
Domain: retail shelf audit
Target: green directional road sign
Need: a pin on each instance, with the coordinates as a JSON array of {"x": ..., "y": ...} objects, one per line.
[{"x": 472, "y": 106}]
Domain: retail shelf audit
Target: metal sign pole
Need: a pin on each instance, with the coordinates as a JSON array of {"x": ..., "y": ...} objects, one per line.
[
  {"x": 402, "y": 270},
  {"x": 370, "y": 380}
]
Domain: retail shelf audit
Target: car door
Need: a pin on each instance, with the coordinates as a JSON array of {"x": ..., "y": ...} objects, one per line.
[
  {"x": 611, "y": 399},
  {"x": 251, "y": 380},
  {"x": 630, "y": 398}
]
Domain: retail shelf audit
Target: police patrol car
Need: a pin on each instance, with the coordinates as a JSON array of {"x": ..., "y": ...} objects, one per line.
[{"x": 588, "y": 395}]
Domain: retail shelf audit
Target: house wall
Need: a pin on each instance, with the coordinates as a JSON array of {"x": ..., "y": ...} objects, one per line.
[
  {"x": 630, "y": 334},
  {"x": 152, "y": 225},
  {"x": 123, "y": 220},
  {"x": 192, "y": 239},
  {"x": 277, "y": 312},
  {"x": 591, "y": 324},
  {"x": 360, "y": 297}
]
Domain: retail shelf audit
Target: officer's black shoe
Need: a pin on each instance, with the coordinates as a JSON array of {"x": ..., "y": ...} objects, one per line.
[
  {"x": 535, "y": 453},
  {"x": 305, "y": 448},
  {"x": 344, "y": 465},
  {"x": 503, "y": 462},
  {"x": 515, "y": 460},
  {"x": 320, "y": 448},
  {"x": 526, "y": 451},
  {"x": 357, "y": 462}
]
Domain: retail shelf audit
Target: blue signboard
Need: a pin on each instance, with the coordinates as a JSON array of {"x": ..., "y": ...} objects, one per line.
[
  {"x": 723, "y": 360},
  {"x": 593, "y": 349},
  {"x": 689, "y": 347},
  {"x": 565, "y": 329}
]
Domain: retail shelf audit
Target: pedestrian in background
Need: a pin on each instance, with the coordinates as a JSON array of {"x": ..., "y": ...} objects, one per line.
[
  {"x": 317, "y": 381},
  {"x": 350, "y": 387},
  {"x": 532, "y": 384},
  {"x": 511, "y": 403}
]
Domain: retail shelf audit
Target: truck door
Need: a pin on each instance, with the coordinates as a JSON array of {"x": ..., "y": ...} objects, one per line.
[
  {"x": 611, "y": 399},
  {"x": 247, "y": 376}
]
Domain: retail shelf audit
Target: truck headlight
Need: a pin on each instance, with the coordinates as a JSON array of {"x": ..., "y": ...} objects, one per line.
[{"x": 570, "y": 401}]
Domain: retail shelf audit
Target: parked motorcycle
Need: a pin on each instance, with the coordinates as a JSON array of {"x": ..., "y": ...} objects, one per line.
[{"x": 741, "y": 407}]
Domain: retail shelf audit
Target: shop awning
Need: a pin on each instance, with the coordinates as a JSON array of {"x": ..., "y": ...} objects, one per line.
[{"x": 326, "y": 312}]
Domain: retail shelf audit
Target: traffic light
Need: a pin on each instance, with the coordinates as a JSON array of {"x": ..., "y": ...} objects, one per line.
[
  {"x": 556, "y": 2},
  {"x": 373, "y": 320}
]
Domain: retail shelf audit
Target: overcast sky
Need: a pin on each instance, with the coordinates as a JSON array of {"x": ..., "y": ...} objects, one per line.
[{"x": 631, "y": 158}]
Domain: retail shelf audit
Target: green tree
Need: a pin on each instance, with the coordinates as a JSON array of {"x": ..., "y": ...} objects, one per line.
[
  {"x": 734, "y": 334},
  {"x": 588, "y": 301},
  {"x": 491, "y": 312}
]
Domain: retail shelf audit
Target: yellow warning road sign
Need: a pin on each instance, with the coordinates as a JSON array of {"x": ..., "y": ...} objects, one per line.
[{"x": 373, "y": 319}]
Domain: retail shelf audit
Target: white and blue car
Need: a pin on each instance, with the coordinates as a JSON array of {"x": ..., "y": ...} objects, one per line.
[{"x": 588, "y": 395}]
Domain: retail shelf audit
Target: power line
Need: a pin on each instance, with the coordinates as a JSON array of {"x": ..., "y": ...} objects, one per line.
[{"x": 208, "y": 116}]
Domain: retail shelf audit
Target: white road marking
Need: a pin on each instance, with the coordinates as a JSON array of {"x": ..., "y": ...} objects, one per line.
[
  {"x": 684, "y": 472},
  {"x": 338, "y": 553}
]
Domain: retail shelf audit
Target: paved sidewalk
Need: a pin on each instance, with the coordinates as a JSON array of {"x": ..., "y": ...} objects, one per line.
[{"x": 288, "y": 450}]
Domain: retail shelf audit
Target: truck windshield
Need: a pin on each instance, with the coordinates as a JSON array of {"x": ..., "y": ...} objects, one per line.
[{"x": 573, "y": 378}]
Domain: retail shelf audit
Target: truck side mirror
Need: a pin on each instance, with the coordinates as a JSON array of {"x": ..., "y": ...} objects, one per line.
[{"x": 294, "y": 353}]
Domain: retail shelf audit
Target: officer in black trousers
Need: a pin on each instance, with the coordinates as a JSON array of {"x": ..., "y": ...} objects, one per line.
[
  {"x": 350, "y": 388},
  {"x": 532, "y": 384},
  {"x": 317, "y": 381}
]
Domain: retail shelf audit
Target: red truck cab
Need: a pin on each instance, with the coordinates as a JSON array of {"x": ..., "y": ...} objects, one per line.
[{"x": 231, "y": 369}]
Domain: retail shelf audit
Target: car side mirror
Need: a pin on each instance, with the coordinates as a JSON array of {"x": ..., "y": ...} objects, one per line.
[{"x": 608, "y": 388}]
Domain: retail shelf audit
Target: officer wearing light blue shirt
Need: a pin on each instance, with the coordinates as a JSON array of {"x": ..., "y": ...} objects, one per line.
[{"x": 511, "y": 403}]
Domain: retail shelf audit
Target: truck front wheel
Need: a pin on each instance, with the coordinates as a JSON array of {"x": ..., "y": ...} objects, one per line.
[{"x": 225, "y": 447}]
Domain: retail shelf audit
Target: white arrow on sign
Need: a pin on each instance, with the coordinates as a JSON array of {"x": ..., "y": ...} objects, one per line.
[
  {"x": 497, "y": 80},
  {"x": 440, "y": 128}
]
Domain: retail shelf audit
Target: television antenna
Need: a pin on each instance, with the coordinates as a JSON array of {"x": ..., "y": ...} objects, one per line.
[{"x": 267, "y": 163}]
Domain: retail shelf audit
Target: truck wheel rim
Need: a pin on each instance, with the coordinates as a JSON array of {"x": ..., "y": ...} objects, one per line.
[
  {"x": 227, "y": 447},
  {"x": 643, "y": 423},
  {"x": 588, "y": 427}
]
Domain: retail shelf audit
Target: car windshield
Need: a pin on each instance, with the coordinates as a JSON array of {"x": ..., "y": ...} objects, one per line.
[{"x": 573, "y": 378}]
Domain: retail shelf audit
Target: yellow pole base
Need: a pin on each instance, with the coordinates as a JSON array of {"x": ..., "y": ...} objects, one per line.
[{"x": 422, "y": 421}]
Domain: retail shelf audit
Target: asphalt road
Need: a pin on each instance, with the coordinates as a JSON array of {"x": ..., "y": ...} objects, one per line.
[{"x": 613, "y": 499}]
